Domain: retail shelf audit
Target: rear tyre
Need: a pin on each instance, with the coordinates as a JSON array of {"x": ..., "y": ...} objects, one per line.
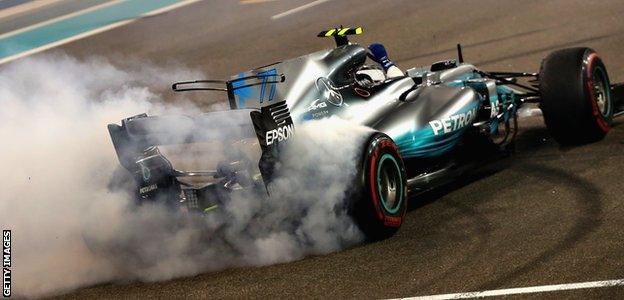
[
  {"x": 381, "y": 188},
  {"x": 576, "y": 96}
]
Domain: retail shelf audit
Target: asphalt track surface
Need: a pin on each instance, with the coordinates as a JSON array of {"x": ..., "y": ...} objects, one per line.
[{"x": 550, "y": 215}]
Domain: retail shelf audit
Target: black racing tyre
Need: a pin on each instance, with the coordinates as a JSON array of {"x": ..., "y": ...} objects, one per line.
[
  {"x": 576, "y": 97},
  {"x": 380, "y": 198}
]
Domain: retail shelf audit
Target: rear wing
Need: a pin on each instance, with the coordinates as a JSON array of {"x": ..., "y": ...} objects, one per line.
[{"x": 253, "y": 90}]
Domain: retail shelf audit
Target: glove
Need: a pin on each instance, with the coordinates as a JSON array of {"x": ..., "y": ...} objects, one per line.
[{"x": 380, "y": 56}]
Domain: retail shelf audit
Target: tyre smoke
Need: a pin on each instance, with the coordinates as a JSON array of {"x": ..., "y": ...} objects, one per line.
[{"x": 58, "y": 160}]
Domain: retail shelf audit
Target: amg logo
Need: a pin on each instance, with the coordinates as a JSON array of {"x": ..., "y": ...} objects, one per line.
[
  {"x": 147, "y": 189},
  {"x": 453, "y": 122},
  {"x": 316, "y": 105},
  {"x": 6, "y": 263},
  {"x": 279, "y": 134}
]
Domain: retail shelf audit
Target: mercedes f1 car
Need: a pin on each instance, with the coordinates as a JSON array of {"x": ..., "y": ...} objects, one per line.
[{"x": 424, "y": 123}]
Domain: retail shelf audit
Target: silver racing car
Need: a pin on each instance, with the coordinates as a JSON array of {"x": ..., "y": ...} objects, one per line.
[{"x": 431, "y": 124}]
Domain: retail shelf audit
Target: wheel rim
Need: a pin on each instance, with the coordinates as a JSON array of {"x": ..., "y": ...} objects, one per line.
[
  {"x": 390, "y": 183},
  {"x": 600, "y": 91}
]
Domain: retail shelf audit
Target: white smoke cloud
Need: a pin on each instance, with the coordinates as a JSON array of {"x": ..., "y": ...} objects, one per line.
[{"x": 58, "y": 161}]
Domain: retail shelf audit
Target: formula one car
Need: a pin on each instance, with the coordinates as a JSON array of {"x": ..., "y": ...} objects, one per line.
[{"x": 425, "y": 123}]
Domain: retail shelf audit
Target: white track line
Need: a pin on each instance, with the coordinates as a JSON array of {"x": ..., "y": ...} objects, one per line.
[
  {"x": 94, "y": 32},
  {"x": 298, "y": 9},
  {"x": 255, "y": 1},
  {"x": 169, "y": 8},
  {"x": 526, "y": 290},
  {"x": 25, "y": 7},
  {"x": 60, "y": 18}
]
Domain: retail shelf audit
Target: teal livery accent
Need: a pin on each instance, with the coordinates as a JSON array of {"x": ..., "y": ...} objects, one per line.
[
  {"x": 460, "y": 81},
  {"x": 508, "y": 98},
  {"x": 503, "y": 95},
  {"x": 425, "y": 143}
]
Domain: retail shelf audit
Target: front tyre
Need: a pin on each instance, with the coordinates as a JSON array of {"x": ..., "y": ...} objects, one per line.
[
  {"x": 381, "y": 188},
  {"x": 576, "y": 97}
]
